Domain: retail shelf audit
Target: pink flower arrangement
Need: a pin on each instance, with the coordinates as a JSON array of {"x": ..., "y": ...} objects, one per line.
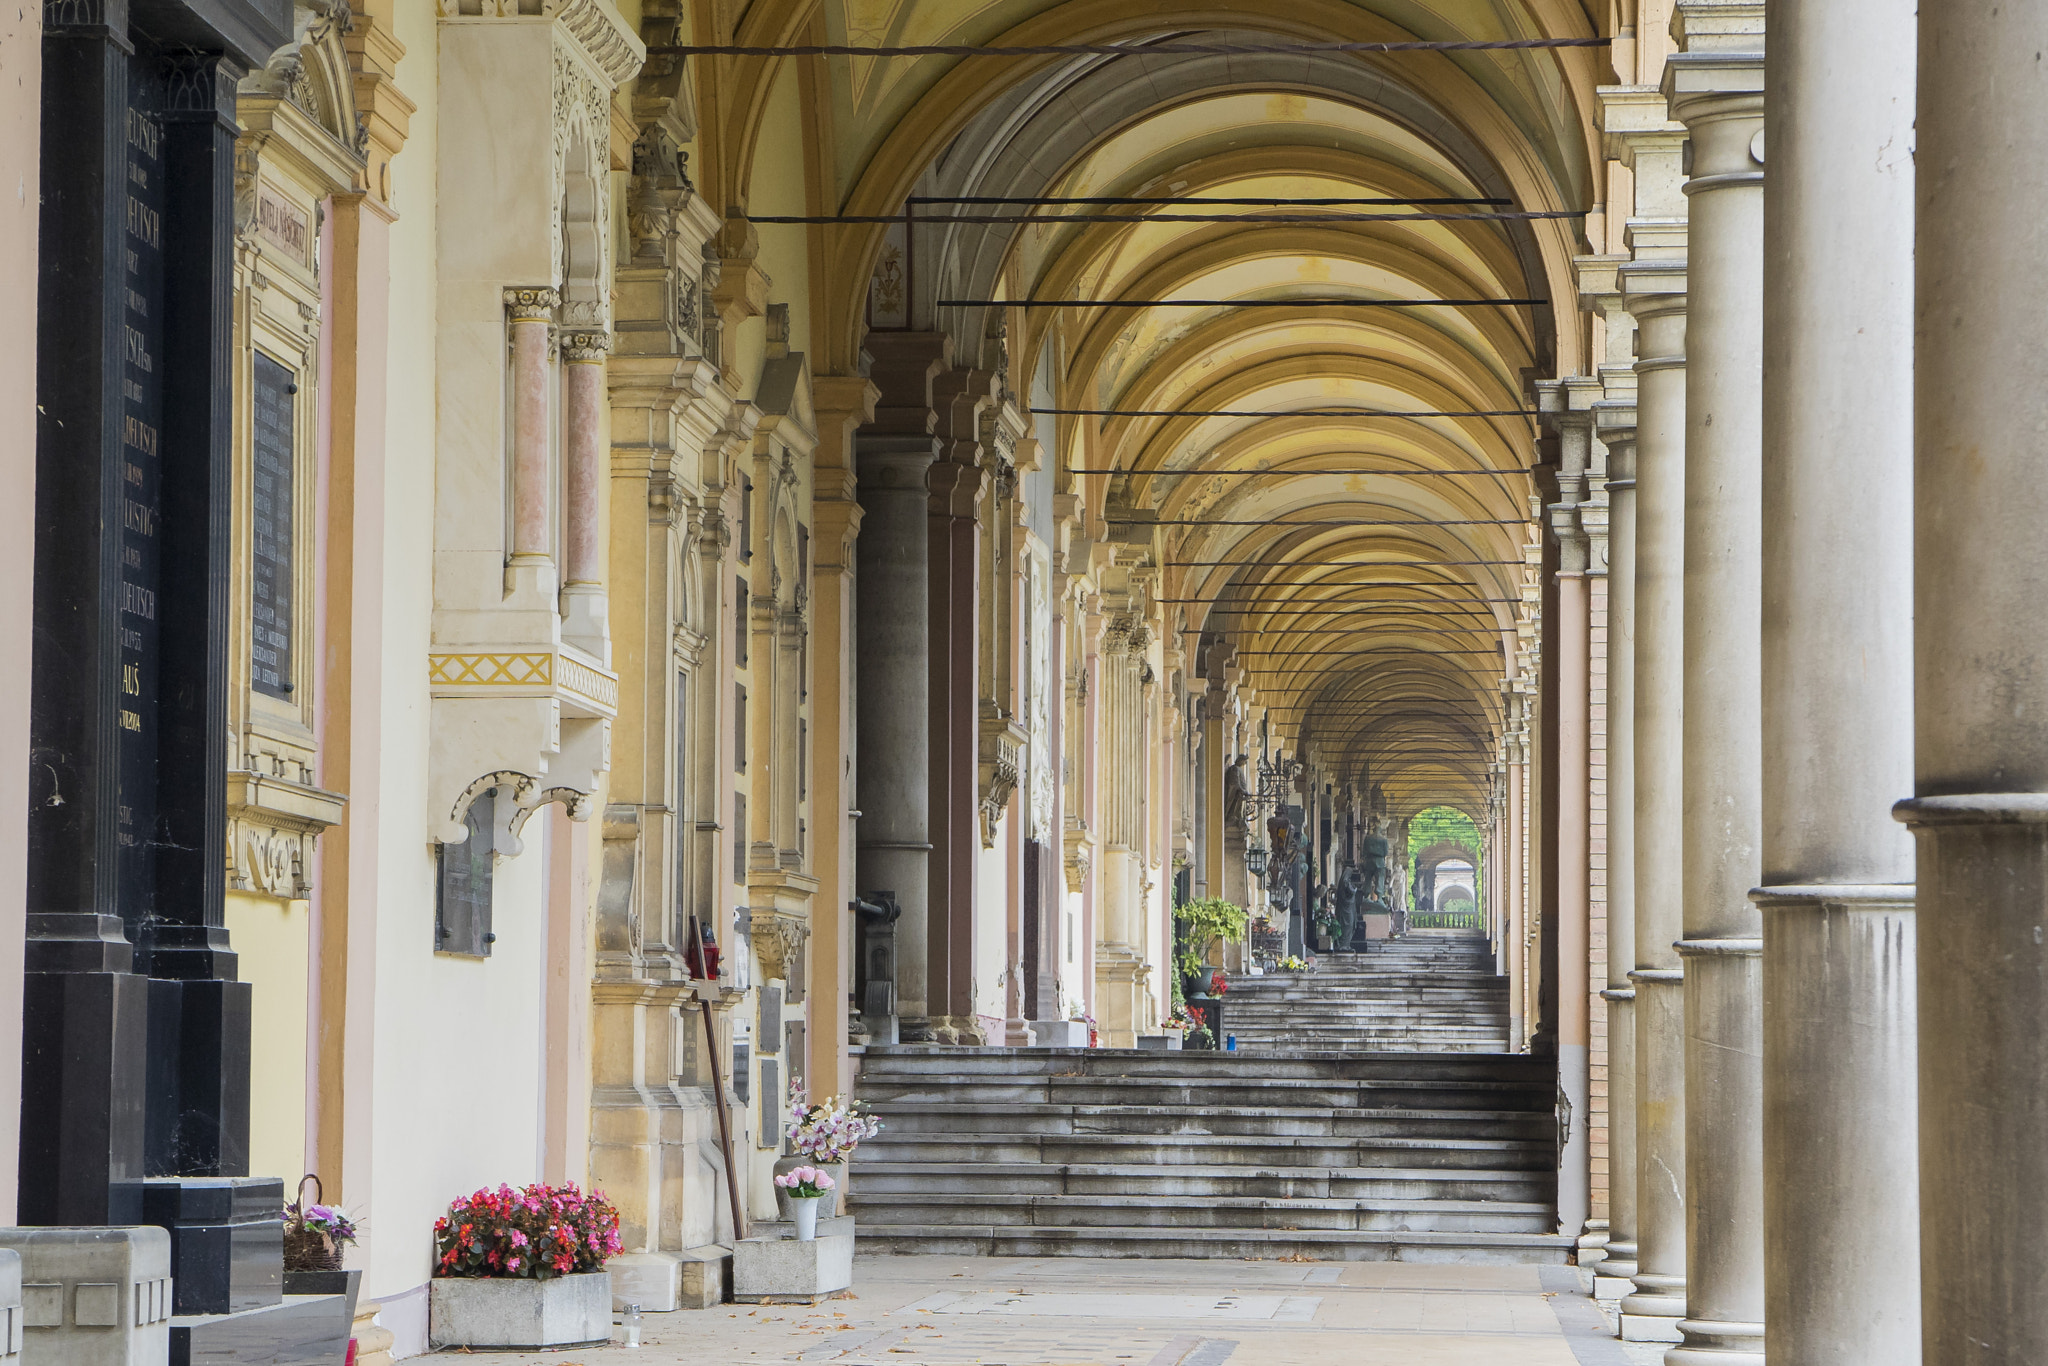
[
  {"x": 805, "y": 1183},
  {"x": 537, "y": 1232},
  {"x": 827, "y": 1131}
]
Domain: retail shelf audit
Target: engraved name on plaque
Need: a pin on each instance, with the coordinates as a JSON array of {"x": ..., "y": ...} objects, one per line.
[{"x": 140, "y": 501}]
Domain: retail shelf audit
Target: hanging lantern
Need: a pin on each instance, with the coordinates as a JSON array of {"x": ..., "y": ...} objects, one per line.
[{"x": 1255, "y": 861}]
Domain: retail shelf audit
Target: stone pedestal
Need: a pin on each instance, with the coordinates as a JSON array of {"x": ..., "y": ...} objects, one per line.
[
  {"x": 774, "y": 1267},
  {"x": 227, "y": 1240},
  {"x": 94, "y": 1296},
  {"x": 660, "y": 1282},
  {"x": 1059, "y": 1033}
]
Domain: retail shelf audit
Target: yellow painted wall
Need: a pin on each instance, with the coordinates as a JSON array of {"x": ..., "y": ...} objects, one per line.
[
  {"x": 273, "y": 939},
  {"x": 778, "y": 188}
]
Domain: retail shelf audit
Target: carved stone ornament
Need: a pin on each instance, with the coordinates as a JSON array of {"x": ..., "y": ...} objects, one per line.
[
  {"x": 1002, "y": 760},
  {"x": 586, "y": 347},
  {"x": 1128, "y": 635},
  {"x": 526, "y": 304},
  {"x": 777, "y": 938},
  {"x": 273, "y": 825}
]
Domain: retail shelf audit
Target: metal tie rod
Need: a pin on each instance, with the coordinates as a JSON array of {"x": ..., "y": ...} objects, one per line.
[
  {"x": 1170, "y": 47},
  {"x": 1316, "y": 302}
]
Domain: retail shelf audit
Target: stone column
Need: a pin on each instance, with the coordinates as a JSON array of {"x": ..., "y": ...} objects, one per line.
[
  {"x": 1715, "y": 88},
  {"x": 1517, "y": 910},
  {"x": 1655, "y": 292},
  {"x": 893, "y": 840},
  {"x": 584, "y": 622},
  {"x": 1981, "y": 686},
  {"x": 1611, "y": 1281},
  {"x": 1567, "y": 405},
  {"x": 530, "y": 313},
  {"x": 1840, "y": 1139},
  {"x": 1651, "y": 287},
  {"x": 843, "y": 402}
]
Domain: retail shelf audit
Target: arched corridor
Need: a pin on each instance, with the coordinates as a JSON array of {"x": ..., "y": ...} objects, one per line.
[{"x": 1322, "y": 634}]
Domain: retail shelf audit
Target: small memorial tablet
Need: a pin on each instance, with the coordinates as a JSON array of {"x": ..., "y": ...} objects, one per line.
[{"x": 270, "y": 637}]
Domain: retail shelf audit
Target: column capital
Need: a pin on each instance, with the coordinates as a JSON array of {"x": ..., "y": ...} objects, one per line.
[
  {"x": 586, "y": 347},
  {"x": 531, "y": 303}
]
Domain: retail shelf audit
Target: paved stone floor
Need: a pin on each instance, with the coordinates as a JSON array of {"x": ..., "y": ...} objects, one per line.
[{"x": 983, "y": 1311}]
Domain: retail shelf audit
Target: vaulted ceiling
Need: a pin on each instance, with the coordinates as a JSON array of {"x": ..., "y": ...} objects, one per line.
[{"x": 1362, "y": 571}]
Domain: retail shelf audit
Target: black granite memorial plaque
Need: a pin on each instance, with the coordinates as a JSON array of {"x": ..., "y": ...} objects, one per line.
[{"x": 270, "y": 638}]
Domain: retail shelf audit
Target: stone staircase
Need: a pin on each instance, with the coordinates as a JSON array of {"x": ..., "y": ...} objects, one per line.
[
  {"x": 1429, "y": 992},
  {"x": 1031, "y": 1152}
]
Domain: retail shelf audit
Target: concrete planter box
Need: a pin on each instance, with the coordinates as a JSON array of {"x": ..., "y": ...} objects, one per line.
[{"x": 480, "y": 1311}]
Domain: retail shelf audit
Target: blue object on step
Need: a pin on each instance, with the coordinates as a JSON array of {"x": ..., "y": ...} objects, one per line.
[{"x": 1231, "y": 1045}]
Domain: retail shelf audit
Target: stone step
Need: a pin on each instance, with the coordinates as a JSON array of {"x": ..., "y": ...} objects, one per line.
[
  {"x": 897, "y": 1060},
  {"x": 1490, "y": 1154},
  {"x": 1104, "y": 1092},
  {"x": 1294, "y": 1121},
  {"x": 904, "y": 1181},
  {"x": 1214, "y": 1212},
  {"x": 1504, "y": 1249}
]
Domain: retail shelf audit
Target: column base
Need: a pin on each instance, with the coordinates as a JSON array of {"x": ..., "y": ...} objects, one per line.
[
  {"x": 1708, "y": 1343},
  {"x": 586, "y": 621},
  {"x": 1618, "y": 1266},
  {"x": 1653, "y": 1312},
  {"x": 1649, "y": 1328}
]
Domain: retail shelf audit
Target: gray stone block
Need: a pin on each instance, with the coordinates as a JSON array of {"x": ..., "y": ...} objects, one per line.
[
  {"x": 661, "y": 1282},
  {"x": 92, "y": 1296},
  {"x": 1162, "y": 1043},
  {"x": 11, "y": 1318},
  {"x": 1059, "y": 1033},
  {"x": 568, "y": 1311},
  {"x": 773, "y": 1267}
]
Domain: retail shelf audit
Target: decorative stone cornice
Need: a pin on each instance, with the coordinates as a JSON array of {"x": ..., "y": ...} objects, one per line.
[{"x": 599, "y": 33}]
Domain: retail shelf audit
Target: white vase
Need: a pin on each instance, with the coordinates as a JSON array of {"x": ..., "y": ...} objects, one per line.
[{"x": 806, "y": 1209}]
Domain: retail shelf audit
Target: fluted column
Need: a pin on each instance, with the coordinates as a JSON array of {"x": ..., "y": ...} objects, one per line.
[
  {"x": 1655, "y": 291},
  {"x": 1715, "y": 88},
  {"x": 1981, "y": 683},
  {"x": 1841, "y": 1151}
]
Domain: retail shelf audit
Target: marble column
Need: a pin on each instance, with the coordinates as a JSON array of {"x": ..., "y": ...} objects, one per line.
[
  {"x": 1611, "y": 1279},
  {"x": 1980, "y": 809},
  {"x": 1655, "y": 293},
  {"x": 584, "y": 622},
  {"x": 1840, "y": 1139},
  {"x": 1715, "y": 88},
  {"x": 530, "y": 313}
]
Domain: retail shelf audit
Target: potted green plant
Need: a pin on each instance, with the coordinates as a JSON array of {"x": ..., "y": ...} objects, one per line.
[
  {"x": 523, "y": 1269},
  {"x": 1197, "y": 926}
]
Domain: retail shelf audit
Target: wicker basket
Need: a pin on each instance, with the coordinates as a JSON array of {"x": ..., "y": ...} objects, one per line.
[{"x": 309, "y": 1249}]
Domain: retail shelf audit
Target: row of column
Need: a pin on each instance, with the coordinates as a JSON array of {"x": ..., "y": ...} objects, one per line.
[{"x": 1763, "y": 698}]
